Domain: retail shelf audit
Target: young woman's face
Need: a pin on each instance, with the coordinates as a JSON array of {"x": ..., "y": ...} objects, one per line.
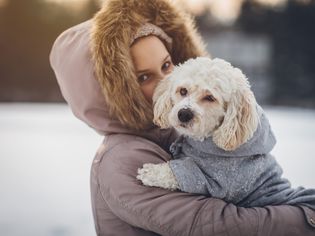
[{"x": 152, "y": 63}]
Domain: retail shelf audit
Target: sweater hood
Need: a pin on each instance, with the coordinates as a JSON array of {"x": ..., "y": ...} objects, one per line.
[
  {"x": 262, "y": 142},
  {"x": 94, "y": 71}
]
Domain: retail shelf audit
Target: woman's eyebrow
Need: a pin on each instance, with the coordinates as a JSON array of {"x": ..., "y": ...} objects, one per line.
[
  {"x": 147, "y": 70},
  {"x": 167, "y": 56},
  {"x": 142, "y": 71}
]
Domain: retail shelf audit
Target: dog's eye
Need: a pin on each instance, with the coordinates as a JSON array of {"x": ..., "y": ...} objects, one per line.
[
  {"x": 183, "y": 91},
  {"x": 209, "y": 98}
]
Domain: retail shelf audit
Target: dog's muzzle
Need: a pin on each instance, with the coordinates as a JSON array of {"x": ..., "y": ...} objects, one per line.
[{"x": 185, "y": 115}]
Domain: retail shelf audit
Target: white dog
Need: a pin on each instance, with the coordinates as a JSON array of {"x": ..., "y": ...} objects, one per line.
[
  {"x": 226, "y": 138},
  {"x": 202, "y": 98}
]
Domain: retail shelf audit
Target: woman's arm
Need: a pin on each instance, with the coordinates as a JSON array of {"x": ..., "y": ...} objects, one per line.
[{"x": 178, "y": 213}]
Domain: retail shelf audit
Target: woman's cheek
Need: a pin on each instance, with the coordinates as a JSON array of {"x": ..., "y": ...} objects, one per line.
[{"x": 148, "y": 90}]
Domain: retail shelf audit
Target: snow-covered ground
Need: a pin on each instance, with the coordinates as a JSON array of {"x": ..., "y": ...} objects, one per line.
[{"x": 45, "y": 158}]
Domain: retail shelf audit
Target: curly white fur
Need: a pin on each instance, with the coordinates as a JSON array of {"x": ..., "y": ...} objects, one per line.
[
  {"x": 219, "y": 97},
  {"x": 231, "y": 119}
]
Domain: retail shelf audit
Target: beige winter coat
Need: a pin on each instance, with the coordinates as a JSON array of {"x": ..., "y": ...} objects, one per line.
[{"x": 114, "y": 107}]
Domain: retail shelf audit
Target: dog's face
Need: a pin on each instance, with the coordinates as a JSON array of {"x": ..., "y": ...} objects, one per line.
[
  {"x": 198, "y": 107},
  {"x": 205, "y": 97}
]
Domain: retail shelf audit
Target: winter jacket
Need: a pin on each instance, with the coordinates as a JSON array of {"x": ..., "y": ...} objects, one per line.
[
  {"x": 248, "y": 176},
  {"x": 121, "y": 204}
]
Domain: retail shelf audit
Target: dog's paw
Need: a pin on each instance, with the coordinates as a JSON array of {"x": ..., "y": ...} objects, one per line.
[
  {"x": 149, "y": 175},
  {"x": 157, "y": 175}
]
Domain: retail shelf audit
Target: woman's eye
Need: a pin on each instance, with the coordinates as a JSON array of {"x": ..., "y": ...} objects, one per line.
[
  {"x": 183, "y": 91},
  {"x": 166, "y": 65},
  {"x": 143, "y": 78},
  {"x": 209, "y": 98}
]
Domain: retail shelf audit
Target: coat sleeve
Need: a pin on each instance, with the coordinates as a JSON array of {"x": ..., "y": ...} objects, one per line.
[{"x": 178, "y": 213}]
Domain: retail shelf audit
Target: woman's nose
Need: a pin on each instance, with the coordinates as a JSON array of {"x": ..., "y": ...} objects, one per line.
[{"x": 163, "y": 75}]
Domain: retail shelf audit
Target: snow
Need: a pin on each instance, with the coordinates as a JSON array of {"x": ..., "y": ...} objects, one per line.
[
  {"x": 45, "y": 159},
  {"x": 46, "y": 154}
]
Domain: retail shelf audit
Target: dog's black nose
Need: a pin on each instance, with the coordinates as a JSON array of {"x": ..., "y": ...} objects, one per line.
[{"x": 185, "y": 115}]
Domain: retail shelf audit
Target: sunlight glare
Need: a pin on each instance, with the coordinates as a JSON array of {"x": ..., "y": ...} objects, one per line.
[
  {"x": 196, "y": 7},
  {"x": 3, "y": 3},
  {"x": 226, "y": 11},
  {"x": 75, "y": 5},
  {"x": 67, "y": 1},
  {"x": 272, "y": 3}
]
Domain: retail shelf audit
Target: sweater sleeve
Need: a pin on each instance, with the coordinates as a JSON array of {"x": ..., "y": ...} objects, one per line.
[
  {"x": 192, "y": 179},
  {"x": 178, "y": 213}
]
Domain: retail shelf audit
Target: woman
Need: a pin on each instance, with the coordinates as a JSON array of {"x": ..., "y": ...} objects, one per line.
[{"x": 127, "y": 65}]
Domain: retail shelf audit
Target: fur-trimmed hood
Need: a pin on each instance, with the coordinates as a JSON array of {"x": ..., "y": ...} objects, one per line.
[
  {"x": 113, "y": 26},
  {"x": 71, "y": 61},
  {"x": 98, "y": 48}
]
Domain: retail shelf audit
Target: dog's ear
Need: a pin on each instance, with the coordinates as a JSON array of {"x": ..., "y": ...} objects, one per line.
[
  {"x": 162, "y": 103},
  {"x": 241, "y": 118}
]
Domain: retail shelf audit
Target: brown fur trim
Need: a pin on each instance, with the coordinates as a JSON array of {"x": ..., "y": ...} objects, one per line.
[{"x": 113, "y": 26}]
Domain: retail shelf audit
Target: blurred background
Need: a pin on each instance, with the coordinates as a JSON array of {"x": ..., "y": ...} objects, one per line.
[
  {"x": 46, "y": 153},
  {"x": 272, "y": 41}
]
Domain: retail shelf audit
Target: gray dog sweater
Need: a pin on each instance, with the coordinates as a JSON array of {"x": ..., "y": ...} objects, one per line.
[{"x": 248, "y": 176}]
